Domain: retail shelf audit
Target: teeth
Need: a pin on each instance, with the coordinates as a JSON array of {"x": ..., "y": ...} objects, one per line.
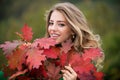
[{"x": 54, "y": 35}]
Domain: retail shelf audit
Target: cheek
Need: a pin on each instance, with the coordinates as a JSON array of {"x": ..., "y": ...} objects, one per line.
[
  {"x": 48, "y": 30},
  {"x": 66, "y": 34}
]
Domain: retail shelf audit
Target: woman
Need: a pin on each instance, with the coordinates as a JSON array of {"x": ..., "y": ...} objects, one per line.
[
  {"x": 65, "y": 21},
  {"x": 76, "y": 54}
]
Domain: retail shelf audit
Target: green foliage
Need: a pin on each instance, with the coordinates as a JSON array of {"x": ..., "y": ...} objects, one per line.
[{"x": 111, "y": 46}]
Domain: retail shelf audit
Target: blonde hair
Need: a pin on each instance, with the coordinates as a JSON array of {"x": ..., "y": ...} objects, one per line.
[{"x": 84, "y": 38}]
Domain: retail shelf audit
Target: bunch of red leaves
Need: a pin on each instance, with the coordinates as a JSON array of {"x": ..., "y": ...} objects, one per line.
[{"x": 43, "y": 60}]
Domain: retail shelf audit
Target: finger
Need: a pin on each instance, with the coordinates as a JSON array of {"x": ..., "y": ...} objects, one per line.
[
  {"x": 69, "y": 65},
  {"x": 67, "y": 73},
  {"x": 66, "y": 76},
  {"x": 71, "y": 70}
]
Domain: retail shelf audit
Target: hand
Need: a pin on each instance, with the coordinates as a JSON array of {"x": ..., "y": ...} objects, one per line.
[{"x": 69, "y": 73}]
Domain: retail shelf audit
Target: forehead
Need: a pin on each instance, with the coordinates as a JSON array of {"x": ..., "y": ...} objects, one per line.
[{"x": 57, "y": 16}]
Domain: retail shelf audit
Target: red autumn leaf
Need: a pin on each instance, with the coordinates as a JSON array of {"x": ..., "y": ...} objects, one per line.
[
  {"x": 66, "y": 46},
  {"x": 8, "y": 46},
  {"x": 80, "y": 65},
  {"x": 53, "y": 52},
  {"x": 63, "y": 59},
  {"x": 38, "y": 73},
  {"x": 44, "y": 43},
  {"x": 98, "y": 75},
  {"x": 16, "y": 59},
  {"x": 92, "y": 53},
  {"x": 86, "y": 76},
  {"x": 53, "y": 72},
  {"x": 27, "y": 33},
  {"x": 35, "y": 58},
  {"x": 7, "y": 71},
  {"x": 73, "y": 57}
]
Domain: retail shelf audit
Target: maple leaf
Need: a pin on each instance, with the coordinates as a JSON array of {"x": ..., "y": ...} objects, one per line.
[
  {"x": 35, "y": 58},
  {"x": 27, "y": 33},
  {"x": 53, "y": 52},
  {"x": 38, "y": 73},
  {"x": 80, "y": 65},
  {"x": 98, "y": 75},
  {"x": 16, "y": 59},
  {"x": 53, "y": 71},
  {"x": 63, "y": 59},
  {"x": 66, "y": 46},
  {"x": 43, "y": 43},
  {"x": 8, "y": 46},
  {"x": 7, "y": 71},
  {"x": 86, "y": 76},
  {"x": 92, "y": 53},
  {"x": 73, "y": 57}
]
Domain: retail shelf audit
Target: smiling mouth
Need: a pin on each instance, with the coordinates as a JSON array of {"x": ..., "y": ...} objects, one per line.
[{"x": 54, "y": 36}]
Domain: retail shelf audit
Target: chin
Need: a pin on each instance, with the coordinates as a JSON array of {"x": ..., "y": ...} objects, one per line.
[{"x": 57, "y": 42}]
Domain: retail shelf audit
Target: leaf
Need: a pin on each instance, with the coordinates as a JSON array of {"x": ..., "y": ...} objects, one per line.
[
  {"x": 16, "y": 59},
  {"x": 27, "y": 33},
  {"x": 80, "y": 65},
  {"x": 86, "y": 76},
  {"x": 53, "y": 71},
  {"x": 38, "y": 73},
  {"x": 53, "y": 52},
  {"x": 92, "y": 53},
  {"x": 8, "y": 46},
  {"x": 7, "y": 71},
  {"x": 66, "y": 46},
  {"x": 35, "y": 58},
  {"x": 44, "y": 43},
  {"x": 99, "y": 75},
  {"x": 63, "y": 59}
]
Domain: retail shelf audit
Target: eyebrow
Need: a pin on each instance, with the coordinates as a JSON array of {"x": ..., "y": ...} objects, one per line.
[{"x": 58, "y": 21}]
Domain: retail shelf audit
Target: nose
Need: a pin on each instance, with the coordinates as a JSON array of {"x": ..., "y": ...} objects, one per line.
[{"x": 53, "y": 27}]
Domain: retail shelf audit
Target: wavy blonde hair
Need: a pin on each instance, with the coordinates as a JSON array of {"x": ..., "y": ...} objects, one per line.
[{"x": 84, "y": 37}]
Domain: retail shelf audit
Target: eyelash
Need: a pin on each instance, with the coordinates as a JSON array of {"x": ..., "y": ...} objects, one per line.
[
  {"x": 60, "y": 24},
  {"x": 50, "y": 23}
]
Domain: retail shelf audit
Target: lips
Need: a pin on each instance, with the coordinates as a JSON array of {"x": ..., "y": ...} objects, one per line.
[{"x": 54, "y": 36}]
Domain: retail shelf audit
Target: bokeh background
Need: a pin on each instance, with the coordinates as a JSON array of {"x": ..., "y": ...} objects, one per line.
[{"x": 102, "y": 15}]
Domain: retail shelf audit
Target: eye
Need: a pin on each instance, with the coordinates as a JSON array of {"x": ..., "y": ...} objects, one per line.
[
  {"x": 51, "y": 23},
  {"x": 61, "y": 24}
]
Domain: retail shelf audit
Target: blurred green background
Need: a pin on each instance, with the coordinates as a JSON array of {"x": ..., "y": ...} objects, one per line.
[{"x": 103, "y": 16}]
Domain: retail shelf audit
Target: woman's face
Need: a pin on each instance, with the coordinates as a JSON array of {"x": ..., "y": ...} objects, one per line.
[{"x": 58, "y": 28}]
